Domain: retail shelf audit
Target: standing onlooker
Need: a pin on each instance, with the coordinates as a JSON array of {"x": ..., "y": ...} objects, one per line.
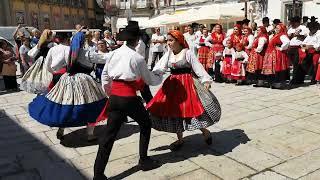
[
  {"x": 254, "y": 28},
  {"x": 190, "y": 37},
  {"x": 26, "y": 61},
  {"x": 8, "y": 66},
  {"x": 111, "y": 44},
  {"x": 102, "y": 49},
  {"x": 35, "y": 37},
  {"x": 96, "y": 38},
  {"x": 203, "y": 50},
  {"x": 158, "y": 41}
]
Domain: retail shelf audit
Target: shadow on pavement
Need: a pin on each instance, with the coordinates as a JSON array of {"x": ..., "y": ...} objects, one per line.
[
  {"x": 78, "y": 138},
  {"x": 27, "y": 153},
  {"x": 223, "y": 142}
]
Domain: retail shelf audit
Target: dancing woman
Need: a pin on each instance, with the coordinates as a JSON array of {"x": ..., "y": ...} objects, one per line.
[
  {"x": 76, "y": 99},
  {"x": 183, "y": 102}
]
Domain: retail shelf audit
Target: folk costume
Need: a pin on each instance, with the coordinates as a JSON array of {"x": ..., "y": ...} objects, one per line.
[
  {"x": 37, "y": 78},
  {"x": 256, "y": 56},
  {"x": 203, "y": 52},
  {"x": 120, "y": 79},
  {"x": 312, "y": 43},
  {"x": 238, "y": 71},
  {"x": 193, "y": 107},
  {"x": 76, "y": 99},
  {"x": 247, "y": 40},
  {"x": 276, "y": 64},
  {"x": 215, "y": 42},
  {"x": 228, "y": 58}
]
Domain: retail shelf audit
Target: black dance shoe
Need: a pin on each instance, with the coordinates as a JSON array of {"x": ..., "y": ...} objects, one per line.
[{"x": 148, "y": 164}]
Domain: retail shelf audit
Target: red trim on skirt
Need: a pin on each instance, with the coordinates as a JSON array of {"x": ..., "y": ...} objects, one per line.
[
  {"x": 226, "y": 66},
  {"x": 177, "y": 98},
  {"x": 60, "y": 72}
]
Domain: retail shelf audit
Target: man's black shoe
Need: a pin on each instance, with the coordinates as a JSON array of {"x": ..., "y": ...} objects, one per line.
[{"x": 148, "y": 164}]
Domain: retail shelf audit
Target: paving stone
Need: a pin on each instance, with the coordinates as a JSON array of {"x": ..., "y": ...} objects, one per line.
[
  {"x": 85, "y": 161},
  {"x": 87, "y": 149},
  {"x": 199, "y": 174},
  {"x": 222, "y": 166},
  {"x": 59, "y": 152},
  {"x": 53, "y": 137},
  {"x": 312, "y": 176},
  {"x": 253, "y": 157},
  {"x": 286, "y": 141},
  {"x": 25, "y": 175},
  {"x": 265, "y": 123},
  {"x": 9, "y": 166},
  {"x": 269, "y": 175},
  {"x": 300, "y": 166},
  {"x": 307, "y": 125}
]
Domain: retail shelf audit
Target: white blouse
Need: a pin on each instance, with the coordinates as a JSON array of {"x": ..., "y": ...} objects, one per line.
[
  {"x": 242, "y": 55},
  {"x": 184, "y": 59},
  {"x": 261, "y": 43},
  {"x": 285, "y": 42},
  {"x": 126, "y": 64},
  {"x": 313, "y": 40},
  {"x": 250, "y": 39}
]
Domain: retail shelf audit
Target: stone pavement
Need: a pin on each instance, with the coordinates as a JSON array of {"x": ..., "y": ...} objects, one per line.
[{"x": 264, "y": 134}]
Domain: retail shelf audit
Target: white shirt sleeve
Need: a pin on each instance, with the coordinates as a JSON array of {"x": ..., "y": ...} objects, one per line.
[
  {"x": 162, "y": 65},
  {"x": 197, "y": 42},
  {"x": 251, "y": 39},
  {"x": 48, "y": 61},
  {"x": 198, "y": 68},
  {"x": 106, "y": 80},
  {"x": 245, "y": 56},
  {"x": 285, "y": 42},
  {"x": 225, "y": 41},
  {"x": 208, "y": 41},
  {"x": 233, "y": 53},
  {"x": 151, "y": 78},
  {"x": 261, "y": 43},
  {"x": 34, "y": 52}
]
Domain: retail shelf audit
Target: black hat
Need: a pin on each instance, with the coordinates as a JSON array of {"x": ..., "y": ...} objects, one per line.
[
  {"x": 313, "y": 18},
  {"x": 295, "y": 19},
  {"x": 239, "y": 22},
  {"x": 245, "y": 21},
  {"x": 305, "y": 17},
  {"x": 131, "y": 31},
  {"x": 276, "y": 21},
  {"x": 313, "y": 25},
  {"x": 265, "y": 19}
]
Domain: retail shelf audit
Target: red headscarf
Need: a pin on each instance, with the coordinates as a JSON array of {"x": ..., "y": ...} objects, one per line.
[
  {"x": 179, "y": 37},
  {"x": 283, "y": 28}
]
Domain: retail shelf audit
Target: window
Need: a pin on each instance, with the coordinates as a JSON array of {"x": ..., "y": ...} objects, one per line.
[
  {"x": 292, "y": 10},
  {"x": 125, "y": 4},
  {"x": 141, "y": 3}
]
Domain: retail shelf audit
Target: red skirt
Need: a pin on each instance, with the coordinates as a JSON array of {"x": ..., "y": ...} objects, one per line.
[
  {"x": 275, "y": 61},
  {"x": 226, "y": 67},
  {"x": 254, "y": 62},
  {"x": 177, "y": 98},
  {"x": 237, "y": 70},
  {"x": 318, "y": 73},
  {"x": 203, "y": 54},
  {"x": 216, "y": 48}
]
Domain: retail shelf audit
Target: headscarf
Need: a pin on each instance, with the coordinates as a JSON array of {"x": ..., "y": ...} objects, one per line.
[
  {"x": 76, "y": 45},
  {"x": 283, "y": 28},
  {"x": 179, "y": 37},
  {"x": 44, "y": 37},
  {"x": 238, "y": 26}
]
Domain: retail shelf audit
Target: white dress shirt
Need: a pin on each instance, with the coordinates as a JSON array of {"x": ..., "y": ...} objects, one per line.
[
  {"x": 185, "y": 59},
  {"x": 250, "y": 39},
  {"x": 241, "y": 54},
  {"x": 57, "y": 58},
  {"x": 128, "y": 65},
  {"x": 157, "y": 47},
  {"x": 141, "y": 48},
  {"x": 313, "y": 40},
  {"x": 285, "y": 42}
]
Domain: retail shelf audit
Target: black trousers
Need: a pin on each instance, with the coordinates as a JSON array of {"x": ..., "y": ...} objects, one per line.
[
  {"x": 298, "y": 74},
  {"x": 146, "y": 94},
  {"x": 119, "y": 109},
  {"x": 155, "y": 55},
  {"x": 10, "y": 82}
]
